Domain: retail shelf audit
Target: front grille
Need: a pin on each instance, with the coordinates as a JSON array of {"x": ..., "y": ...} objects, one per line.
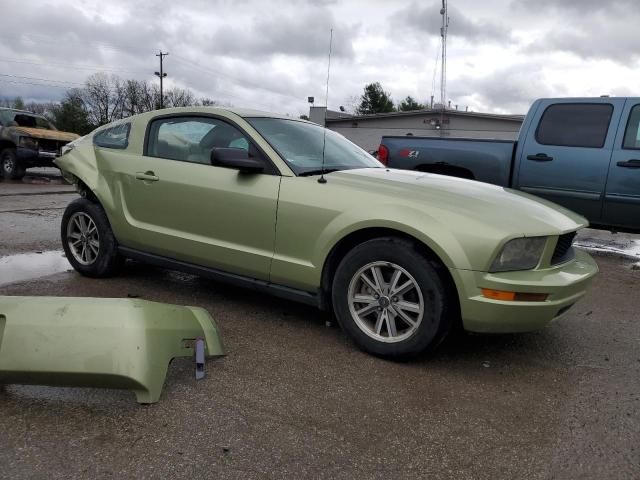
[
  {"x": 50, "y": 145},
  {"x": 564, "y": 251}
]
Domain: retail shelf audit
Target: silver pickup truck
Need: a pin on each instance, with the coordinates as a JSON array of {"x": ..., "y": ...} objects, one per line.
[{"x": 582, "y": 153}]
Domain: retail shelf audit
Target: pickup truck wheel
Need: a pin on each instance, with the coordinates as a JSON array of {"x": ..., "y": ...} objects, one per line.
[
  {"x": 9, "y": 166},
  {"x": 390, "y": 299},
  {"x": 88, "y": 241}
]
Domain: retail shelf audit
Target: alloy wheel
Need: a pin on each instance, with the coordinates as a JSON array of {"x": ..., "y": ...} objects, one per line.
[
  {"x": 386, "y": 302},
  {"x": 83, "y": 238}
]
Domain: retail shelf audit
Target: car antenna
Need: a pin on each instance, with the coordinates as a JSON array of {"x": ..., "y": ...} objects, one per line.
[{"x": 326, "y": 107}]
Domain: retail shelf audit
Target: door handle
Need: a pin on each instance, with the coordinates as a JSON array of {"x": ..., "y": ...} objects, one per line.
[
  {"x": 147, "y": 176},
  {"x": 540, "y": 157},
  {"x": 633, "y": 163}
]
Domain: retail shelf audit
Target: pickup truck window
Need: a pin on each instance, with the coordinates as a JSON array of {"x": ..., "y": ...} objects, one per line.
[
  {"x": 575, "y": 125},
  {"x": 632, "y": 133},
  {"x": 22, "y": 119}
]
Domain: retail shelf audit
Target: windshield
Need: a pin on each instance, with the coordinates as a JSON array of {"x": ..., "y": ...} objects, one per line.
[
  {"x": 23, "y": 119},
  {"x": 300, "y": 145}
]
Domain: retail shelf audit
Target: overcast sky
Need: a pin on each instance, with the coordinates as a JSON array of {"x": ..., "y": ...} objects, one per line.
[{"x": 271, "y": 55}]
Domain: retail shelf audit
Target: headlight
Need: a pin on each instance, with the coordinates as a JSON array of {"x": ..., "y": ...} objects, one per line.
[
  {"x": 519, "y": 254},
  {"x": 28, "y": 142}
]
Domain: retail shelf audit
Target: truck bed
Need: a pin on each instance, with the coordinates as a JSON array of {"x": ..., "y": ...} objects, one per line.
[{"x": 487, "y": 160}]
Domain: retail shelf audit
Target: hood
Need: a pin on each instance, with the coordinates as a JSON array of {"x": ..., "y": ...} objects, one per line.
[
  {"x": 477, "y": 204},
  {"x": 45, "y": 134}
]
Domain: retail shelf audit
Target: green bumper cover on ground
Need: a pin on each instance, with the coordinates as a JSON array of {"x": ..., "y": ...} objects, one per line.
[{"x": 95, "y": 342}]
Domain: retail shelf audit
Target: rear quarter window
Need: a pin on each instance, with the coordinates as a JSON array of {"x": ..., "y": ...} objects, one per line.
[
  {"x": 113, "y": 137},
  {"x": 575, "y": 125}
]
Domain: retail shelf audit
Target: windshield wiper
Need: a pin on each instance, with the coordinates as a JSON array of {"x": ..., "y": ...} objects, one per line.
[{"x": 319, "y": 171}]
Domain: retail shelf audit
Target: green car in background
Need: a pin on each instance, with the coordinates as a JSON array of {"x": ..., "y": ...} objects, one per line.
[{"x": 401, "y": 257}]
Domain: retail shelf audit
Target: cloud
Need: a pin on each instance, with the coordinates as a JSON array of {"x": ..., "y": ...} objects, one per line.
[
  {"x": 427, "y": 19},
  {"x": 580, "y": 7},
  {"x": 512, "y": 88},
  {"x": 302, "y": 34},
  {"x": 589, "y": 29},
  {"x": 271, "y": 54}
]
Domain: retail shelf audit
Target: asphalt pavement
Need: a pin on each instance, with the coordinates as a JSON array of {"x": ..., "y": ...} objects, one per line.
[{"x": 295, "y": 399}]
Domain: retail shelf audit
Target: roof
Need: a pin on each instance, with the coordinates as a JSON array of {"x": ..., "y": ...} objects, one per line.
[
  {"x": 19, "y": 111},
  {"x": 244, "y": 113},
  {"x": 413, "y": 113},
  {"x": 241, "y": 112}
]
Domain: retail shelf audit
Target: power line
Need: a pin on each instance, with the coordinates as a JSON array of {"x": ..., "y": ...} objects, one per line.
[
  {"x": 41, "y": 79},
  {"x": 222, "y": 74},
  {"x": 43, "y": 39},
  {"x": 31, "y": 83},
  {"x": 71, "y": 65}
]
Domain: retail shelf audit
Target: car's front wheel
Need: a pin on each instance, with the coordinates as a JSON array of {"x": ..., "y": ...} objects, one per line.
[
  {"x": 390, "y": 299},
  {"x": 87, "y": 239},
  {"x": 9, "y": 166}
]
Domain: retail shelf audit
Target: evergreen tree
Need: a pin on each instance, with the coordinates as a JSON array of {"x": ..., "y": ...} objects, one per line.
[
  {"x": 375, "y": 100},
  {"x": 409, "y": 104}
]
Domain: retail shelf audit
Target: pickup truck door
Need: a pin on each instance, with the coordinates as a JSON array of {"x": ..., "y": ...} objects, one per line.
[
  {"x": 622, "y": 198},
  {"x": 566, "y": 152},
  {"x": 177, "y": 205}
]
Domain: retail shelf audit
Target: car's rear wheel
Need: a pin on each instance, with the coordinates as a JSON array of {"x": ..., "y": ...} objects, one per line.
[
  {"x": 87, "y": 239},
  {"x": 9, "y": 166},
  {"x": 390, "y": 299}
]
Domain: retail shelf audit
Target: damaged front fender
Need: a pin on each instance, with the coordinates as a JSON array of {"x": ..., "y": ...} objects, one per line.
[{"x": 94, "y": 342}]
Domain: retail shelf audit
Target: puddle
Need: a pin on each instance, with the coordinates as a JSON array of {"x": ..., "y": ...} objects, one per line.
[{"x": 26, "y": 266}]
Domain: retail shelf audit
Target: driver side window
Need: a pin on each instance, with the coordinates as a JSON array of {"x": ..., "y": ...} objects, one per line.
[{"x": 191, "y": 139}]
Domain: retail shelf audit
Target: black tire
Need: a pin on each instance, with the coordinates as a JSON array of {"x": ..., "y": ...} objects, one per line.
[
  {"x": 107, "y": 260},
  {"x": 9, "y": 166},
  {"x": 436, "y": 320}
]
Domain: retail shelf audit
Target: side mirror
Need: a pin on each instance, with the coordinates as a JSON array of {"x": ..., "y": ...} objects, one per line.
[{"x": 236, "y": 158}]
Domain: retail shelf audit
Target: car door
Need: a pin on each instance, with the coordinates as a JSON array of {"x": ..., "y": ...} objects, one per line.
[
  {"x": 622, "y": 198},
  {"x": 566, "y": 153},
  {"x": 180, "y": 206}
]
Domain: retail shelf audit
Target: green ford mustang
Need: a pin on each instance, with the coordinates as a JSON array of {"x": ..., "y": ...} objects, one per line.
[{"x": 401, "y": 257}]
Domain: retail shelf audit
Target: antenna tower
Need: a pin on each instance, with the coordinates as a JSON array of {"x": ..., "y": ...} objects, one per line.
[{"x": 443, "y": 66}]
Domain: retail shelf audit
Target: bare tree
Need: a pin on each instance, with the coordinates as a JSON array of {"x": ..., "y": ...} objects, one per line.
[
  {"x": 106, "y": 98},
  {"x": 179, "y": 97},
  {"x": 132, "y": 98},
  {"x": 103, "y": 98}
]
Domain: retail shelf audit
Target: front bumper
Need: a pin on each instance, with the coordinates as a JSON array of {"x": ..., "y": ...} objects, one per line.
[
  {"x": 30, "y": 157},
  {"x": 565, "y": 284}
]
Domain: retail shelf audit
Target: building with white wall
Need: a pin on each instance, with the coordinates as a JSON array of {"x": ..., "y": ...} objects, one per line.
[{"x": 367, "y": 130}]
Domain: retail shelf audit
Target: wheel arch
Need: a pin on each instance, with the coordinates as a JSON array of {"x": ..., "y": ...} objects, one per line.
[
  {"x": 4, "y": 143},
  {"x": 357, "y": 237},
  {"x": 93, "y": 194}
]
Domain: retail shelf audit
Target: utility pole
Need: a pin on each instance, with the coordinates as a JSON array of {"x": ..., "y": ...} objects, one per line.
[{"x": 161, "y": 74}]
